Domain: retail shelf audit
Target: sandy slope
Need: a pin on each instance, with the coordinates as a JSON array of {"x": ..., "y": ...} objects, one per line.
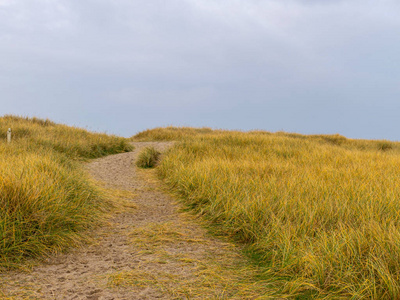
[{"x": 150, "y": 252}]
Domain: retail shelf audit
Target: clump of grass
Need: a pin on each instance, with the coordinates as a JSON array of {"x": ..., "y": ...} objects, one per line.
[
  {"x": 319, "y": 211},
  {"x": 46, "y": 199},
  {"x": 148, "y": 158},
  {"x": 385, "y": 146}
]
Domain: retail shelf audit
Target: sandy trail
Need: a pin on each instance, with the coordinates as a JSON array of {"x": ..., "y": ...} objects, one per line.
[{"x": 150, "y": 252}]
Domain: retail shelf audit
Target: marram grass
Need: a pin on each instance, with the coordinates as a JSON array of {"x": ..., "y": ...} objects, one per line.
[
  {"x": 46, "y": 199},
  {"x": 148, "y": 158},
  {"x": 321, "y": 213}
]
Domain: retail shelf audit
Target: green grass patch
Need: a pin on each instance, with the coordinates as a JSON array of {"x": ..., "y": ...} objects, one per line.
[{"x": 148, "y": 158}]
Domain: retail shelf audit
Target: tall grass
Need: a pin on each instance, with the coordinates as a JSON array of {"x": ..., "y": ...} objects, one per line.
[
  {"x": 320, "y": 213},
  {"x": 46, "y": 199},
  {"x": 77, "y": 143}
]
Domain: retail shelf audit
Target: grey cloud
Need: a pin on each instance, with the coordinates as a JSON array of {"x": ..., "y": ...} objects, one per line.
[{"x": 122, "y": 66}]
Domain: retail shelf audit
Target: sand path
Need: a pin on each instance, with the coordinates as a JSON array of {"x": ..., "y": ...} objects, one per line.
[{"x": 152, "y": 251}]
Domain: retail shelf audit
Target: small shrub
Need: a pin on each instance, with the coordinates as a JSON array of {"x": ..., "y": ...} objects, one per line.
[{"x": 148, "y": 158}]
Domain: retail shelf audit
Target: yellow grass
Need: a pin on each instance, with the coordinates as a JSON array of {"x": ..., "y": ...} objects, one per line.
[
  {"x": 46, "y": 199},
  {"x": 320, "y": 213},
  {"x": 215, "y": 271}
]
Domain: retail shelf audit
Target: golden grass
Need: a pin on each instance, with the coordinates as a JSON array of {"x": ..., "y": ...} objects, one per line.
[
  {"x": 170, "y": 133},
  {"x": 213, "y": 271},
  {"x": 75, "y": 142},
  {"x": 320, "y": 213},
  {"x": 46, "y": 199},
  {"x": 177, "y": 258}
]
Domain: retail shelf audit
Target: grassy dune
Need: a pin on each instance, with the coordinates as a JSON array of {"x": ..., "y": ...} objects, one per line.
[
  {"x": 320, "y": 213},
  {"x": 46, "y": 199}
]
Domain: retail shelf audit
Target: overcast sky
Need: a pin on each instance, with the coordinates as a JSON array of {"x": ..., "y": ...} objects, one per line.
[{"x": 121, "y": 66}]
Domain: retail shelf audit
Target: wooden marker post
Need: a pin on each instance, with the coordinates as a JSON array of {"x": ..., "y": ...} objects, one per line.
[{"x": 9, "y": 135}]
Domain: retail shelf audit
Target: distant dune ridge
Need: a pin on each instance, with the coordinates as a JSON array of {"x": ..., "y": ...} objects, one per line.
[{"x": 319, "y": 213}]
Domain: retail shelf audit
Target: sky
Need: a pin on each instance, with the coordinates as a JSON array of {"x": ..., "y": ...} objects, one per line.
[{"x": 122, "y": 66}]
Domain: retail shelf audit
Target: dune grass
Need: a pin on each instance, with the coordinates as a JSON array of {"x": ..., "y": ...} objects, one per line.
[
  {"x": 46, "y": 199},
  {"x": 319, "y": 213},
  {"x": 171, "y": 133},
  {"x": 148, "y": 158}
]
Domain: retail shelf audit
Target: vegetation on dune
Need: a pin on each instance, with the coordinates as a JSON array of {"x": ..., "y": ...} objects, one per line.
[
  {"x": 76, "y": 143},
  {"x": 171, "y": 133},
  {"x": 46, "y": 199},
  {"x": 148, "y": 158},
  {"x": 320, "y": 213}
]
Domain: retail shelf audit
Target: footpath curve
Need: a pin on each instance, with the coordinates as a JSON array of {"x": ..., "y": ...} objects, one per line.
[{"x": 151, "y": 251}]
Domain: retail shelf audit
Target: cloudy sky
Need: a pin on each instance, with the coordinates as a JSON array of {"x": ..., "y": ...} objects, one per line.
[{"x": 121, "y": 66}]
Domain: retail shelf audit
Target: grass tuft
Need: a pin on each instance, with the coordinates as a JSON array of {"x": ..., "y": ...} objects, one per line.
[
  {"x": 385, "y": 146},
  {"x": 148, "y": 158}
]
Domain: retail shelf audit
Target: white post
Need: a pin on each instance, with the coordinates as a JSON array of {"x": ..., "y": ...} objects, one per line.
[{"x": 9, "y": 135}]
